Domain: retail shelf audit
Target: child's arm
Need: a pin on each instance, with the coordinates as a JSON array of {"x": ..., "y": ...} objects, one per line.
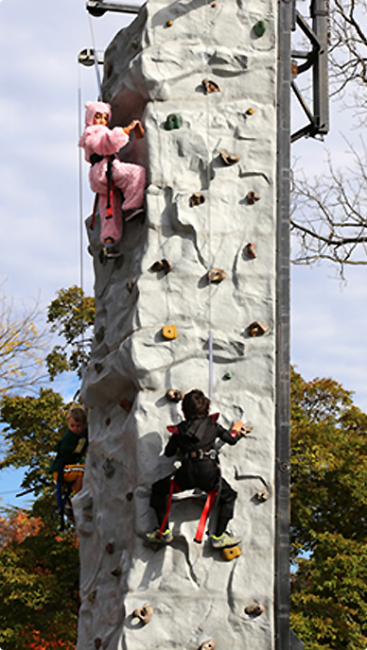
[{"x": 237, "y": 431}]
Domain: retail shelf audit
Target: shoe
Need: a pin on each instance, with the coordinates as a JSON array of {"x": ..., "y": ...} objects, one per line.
[
  {"x": 131, "y": 214},
  {"x": 153, "y": 538},
  {"x": 224, "y": 540}
]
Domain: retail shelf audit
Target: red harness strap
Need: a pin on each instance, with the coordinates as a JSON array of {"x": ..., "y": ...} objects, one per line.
[
  {"x": 172, "y": 488},
  {"x": 212, "y": 495}
]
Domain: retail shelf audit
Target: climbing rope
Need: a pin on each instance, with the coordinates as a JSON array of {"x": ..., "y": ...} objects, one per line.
[
  {"x": 210, "y": 335},
  {"x": 99, "y": 84}
]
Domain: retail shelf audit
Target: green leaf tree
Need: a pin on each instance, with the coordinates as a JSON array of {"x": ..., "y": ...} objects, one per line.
[
  {"x": 72, "y": 316},
  {"x": 329, "y": 524}
]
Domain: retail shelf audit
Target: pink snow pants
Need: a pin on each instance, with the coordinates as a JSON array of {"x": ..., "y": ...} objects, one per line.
[{"x": 127, "y": 177}]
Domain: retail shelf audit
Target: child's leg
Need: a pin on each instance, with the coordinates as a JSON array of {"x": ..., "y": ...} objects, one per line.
[
  {"x": 131, "y": 180},
  {"x": 226, "y": 500},
  {"x": 111, "y": 229},
  {"x": 159, "y": 496}
]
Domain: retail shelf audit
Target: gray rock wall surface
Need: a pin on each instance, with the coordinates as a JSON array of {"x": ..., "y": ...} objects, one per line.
[{"x": 153, "y": 69}]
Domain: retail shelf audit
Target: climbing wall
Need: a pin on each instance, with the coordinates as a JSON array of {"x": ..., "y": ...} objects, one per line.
[{"x": 205, "y": 210}]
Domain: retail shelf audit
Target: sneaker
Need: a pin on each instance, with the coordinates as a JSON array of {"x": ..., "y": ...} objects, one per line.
[
  {"x": 165, "y": 538},
  {"x": 224, "y": 540},
  {"x": 132, "y": 213}
]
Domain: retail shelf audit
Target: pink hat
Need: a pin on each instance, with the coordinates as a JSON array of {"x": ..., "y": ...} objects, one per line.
[{"x": 96, "y": 107}]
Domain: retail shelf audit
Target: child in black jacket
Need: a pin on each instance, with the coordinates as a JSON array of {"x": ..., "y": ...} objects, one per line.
[{"x": 195, "y": 437}]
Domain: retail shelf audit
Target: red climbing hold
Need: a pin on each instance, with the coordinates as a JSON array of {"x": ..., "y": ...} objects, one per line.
[{"x": 126, "y": 404}]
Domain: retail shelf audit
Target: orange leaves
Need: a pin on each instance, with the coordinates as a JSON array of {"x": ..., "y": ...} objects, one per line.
[{"x": 17, "y": 527}]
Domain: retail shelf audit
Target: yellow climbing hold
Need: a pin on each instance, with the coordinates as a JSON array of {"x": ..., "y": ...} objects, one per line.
[
  {"x": 231, "y": 552},
  {"x": 169, "y": 23},
  {"x": 169, "y": 332},
  {"x": 250, "y": 111}
]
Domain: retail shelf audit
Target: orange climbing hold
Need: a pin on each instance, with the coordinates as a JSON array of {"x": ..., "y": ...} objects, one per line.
[
  {"x": 250, "y": 111},
  {"x": 216, "y": 275},
  {"x": 174, "y": 395},
  {"x": 169, "y": 23},
  {"x": 196, "y": 199},
  {"x": 229, "y": 158},
  {"x": 231, "y": 552},
  {"x": 169, "y": 332},
  {"x": 144, "y": 614},
  {"x": 250, "y": 250},
  {"x": 252, "y": 197},
  {"x": 255, "y": 610},
  {"x": 162, "y": 265},
  {"x": 208, "y": 645},
  {"x": 256, "y": 329},
  {"x": 210, "y": 86}
]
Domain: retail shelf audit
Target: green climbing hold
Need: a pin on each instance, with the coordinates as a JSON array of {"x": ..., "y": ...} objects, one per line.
[
  {"x": 173, "y": 121},
  {"x": 228, "y": 375},
  {"x": 260, "y": 28}
]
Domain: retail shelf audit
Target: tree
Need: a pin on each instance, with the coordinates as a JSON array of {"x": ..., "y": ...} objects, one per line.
[
  {"x": 329, "y": 521},
  {"x": 329, "y": 213},
  {"x": 72, "y": 315},
  {"x": 38, "y": 584},
  {"x": 38, "y": 567},
  {"x": 21, "y": 347}
]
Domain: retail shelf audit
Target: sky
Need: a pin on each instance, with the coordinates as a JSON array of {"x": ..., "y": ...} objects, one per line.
[{"x": 39, "y": 201}]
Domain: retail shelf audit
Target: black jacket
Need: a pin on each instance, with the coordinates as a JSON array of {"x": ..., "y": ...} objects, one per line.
[{"x": 201, "y": 433}]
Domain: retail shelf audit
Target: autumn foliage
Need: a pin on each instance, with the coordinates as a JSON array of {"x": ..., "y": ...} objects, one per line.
[{"x": 329, "y": 522}]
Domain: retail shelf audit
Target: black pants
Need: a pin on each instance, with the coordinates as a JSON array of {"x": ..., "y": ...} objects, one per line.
[{"x": 202, "y": 474}]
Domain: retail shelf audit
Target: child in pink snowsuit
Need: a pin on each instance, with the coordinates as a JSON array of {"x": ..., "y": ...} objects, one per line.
[{"x": 100, "y": 143}]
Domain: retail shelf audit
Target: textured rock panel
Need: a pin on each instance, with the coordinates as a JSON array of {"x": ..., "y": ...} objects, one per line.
[{"x": 151, "y": 71}]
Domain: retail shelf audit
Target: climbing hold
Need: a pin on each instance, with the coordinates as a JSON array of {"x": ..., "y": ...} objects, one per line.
[
  {"x": 250, "y": 250},
  {"x": 250, "y": 111},
  {"x": 162, "y": 265},
  {"x": 98, "y": 367},
  {"x": 214, "y": 4},
  {"x": 216, "y": 275},
  {"x": 108, "y": 468},
  {"x": 262, "y": 496},
  {"x": 173, "y": 121},
  {"x": 126, "y": 404},
  {"x": 229, "y": 158},
  {"x": 169, "y": 332},
  {"x": 144, "y": 614},
  {"x": 260, "y": 28},
  {"x": 196, "y": 199},
  {"x": 97, "y": 643},
  {"x": 107, "y": 421},
  {"x": 294, "y": 68},
  {"x": 252, "y": 197},
  {"x": 256, "y": 329},
  {"x": 231, "y": 552},
  {"x": 109, "y": 548},
  {"x": 135, "y": 44},
  {"x": 255, "y": 610},
  {"x": 208, "y": 645},
  {"x": 174, "y": 395},
  {"x": 210, "y": 86},
  {"x": 129, "y": 496},
  {"x": 131, "y": 284},
  {"x": 228, "y": 375},
  {"x": 100, "y": 334},
  {"x": 116, "y": 572},
  {"x": 92, "y": 596},
  {"x": 169, "y": 23}
]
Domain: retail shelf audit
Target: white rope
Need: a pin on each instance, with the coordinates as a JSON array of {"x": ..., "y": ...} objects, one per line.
[
  {"x": 99, "y": 84},
  {"x": 81, "y": 210},
  {"x": 210, "y": 335}
]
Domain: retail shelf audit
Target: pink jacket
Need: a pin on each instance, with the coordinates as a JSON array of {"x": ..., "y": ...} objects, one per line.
[{"x": 102, "y": 140}]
